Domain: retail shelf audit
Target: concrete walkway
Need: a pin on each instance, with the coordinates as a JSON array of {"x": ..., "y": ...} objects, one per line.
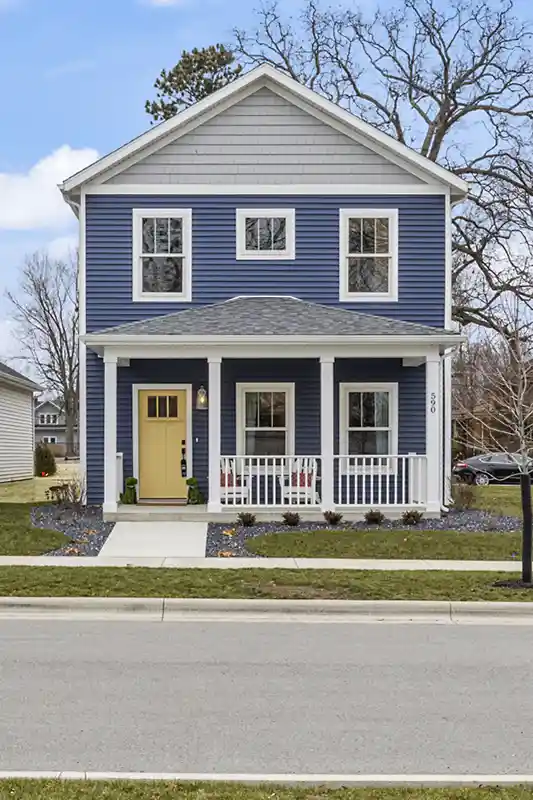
[
  {"x": 187, "y": 562},
  {"x": 132, "y": 540}
]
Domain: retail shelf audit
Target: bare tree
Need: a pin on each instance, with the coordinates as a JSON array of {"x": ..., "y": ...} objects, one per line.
[
  {"x": 46, "y": 312},
  {"x": 453, "y": 80},
  {"x": 500, "y": 407}
]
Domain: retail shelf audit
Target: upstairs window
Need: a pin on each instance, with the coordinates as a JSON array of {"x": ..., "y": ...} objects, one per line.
[
  {"x": 369, "y": 255},
  {"x": 41, "y": 419},
  {"x": 54, "y": 419},
  {"x": 265, "y": 233},
  {"x": 162, "y": 255}
]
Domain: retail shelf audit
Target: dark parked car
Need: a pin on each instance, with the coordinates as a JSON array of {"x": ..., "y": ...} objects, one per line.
[{"x": 490, "y": 467}]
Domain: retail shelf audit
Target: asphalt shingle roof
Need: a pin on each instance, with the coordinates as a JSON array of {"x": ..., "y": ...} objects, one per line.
[
  {"x": 8, "y": 372},
  {"x": 276, "y": 316}
]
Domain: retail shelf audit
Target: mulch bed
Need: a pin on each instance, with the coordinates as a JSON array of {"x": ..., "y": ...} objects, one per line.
[{"x": 83, "y": 525}]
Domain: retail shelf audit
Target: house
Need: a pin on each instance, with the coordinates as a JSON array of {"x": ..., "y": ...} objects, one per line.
[
  {"x": 16, "y": 425},
  {"x": 50, "y": 427},
  {"x": 266, "y": 306}
]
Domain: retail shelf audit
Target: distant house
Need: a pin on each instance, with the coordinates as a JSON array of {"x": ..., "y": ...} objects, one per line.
[
  {"x": 16, "y": 425},
  {"x": 50, "y": 427}
]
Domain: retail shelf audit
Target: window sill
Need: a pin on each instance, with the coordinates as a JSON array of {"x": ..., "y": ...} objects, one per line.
[
  {"x": 162, "y": 297},
  {"x": 368, "y": 297},
  {"x": 265, "y": 256}
]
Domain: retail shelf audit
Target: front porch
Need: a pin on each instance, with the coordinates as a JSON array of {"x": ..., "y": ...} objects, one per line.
[{"x": 311, "y": 423}]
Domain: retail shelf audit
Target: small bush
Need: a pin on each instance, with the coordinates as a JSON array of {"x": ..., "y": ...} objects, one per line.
[
  {"x": 70, "y": 493},
  {"x": 129, "y": 496},
  {"x": 45, "y": 463},
  {"x": 412, "y": 517},
  {"x": 246, "y": 518},
  {"x": 194, "y": 493},
  {"x": 373, "y": 517},
  {"x": 291, "y": 518},
  {"x": 333, "y": 517},
  {"x": 464, "y": 495}
]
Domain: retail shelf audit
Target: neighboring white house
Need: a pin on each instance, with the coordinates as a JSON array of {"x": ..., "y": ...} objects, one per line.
[
  {"x": 16, "y": 425},
  {"x": 51, "y": 428}
]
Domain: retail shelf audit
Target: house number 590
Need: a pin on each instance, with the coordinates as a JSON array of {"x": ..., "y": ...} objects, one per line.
[{"x": 433, "y": 402}]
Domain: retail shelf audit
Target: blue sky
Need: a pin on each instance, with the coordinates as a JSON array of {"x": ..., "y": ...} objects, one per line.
[{"x": 74, "y": 75}]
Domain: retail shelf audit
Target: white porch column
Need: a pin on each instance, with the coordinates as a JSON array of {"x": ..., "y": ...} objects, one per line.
[
  {"x": 110, "y": 433},
  {"x": 327, "y": 430},
  {"x": 433, "y": 432},
  {"x": 214, "y": 408}
]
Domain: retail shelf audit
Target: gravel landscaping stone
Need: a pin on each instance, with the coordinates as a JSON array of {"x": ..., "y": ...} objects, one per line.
[
  {"x": 229, "y": 540},
  {"x": 84, "y": 526}
]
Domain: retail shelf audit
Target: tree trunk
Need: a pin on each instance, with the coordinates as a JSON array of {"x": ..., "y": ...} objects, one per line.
[
  {"x": 525, "y": 487},
  {"x": 71, "y": 418}
]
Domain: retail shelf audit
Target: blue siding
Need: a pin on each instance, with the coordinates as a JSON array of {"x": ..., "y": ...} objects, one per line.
[
  {"x": 305, "y": 373},
  {"x": 217, "y": 275}
]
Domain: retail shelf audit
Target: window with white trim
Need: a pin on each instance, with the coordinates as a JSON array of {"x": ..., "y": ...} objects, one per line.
[
  {"x": 54, "y": 419},
  {"x": 41, "y": 419},
  {"x": 50, "y": 439},
  {"x": 162, "y": 255},
  {"x": 265, "y": 419},
  {"x": 265, "y": 233},
  {"x": 368, "y": 419},
  {"x": 48, "y": 419},
  {"x": 369, "y": 254}
]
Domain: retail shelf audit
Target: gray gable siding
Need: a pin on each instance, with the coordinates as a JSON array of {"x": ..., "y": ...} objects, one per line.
[
  {"x": 264, "y": 139},
  {"x": 217, "y": 275},
  {"x": 304, "y": 373}
]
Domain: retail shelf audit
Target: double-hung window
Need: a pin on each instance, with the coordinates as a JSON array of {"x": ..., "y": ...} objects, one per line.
[
  {"x": 265, "y": 419},
  {"x": 369, "y": 255},
  {"x": 42, "y": 419},
  {"x": 265, "y": 233},
  {"x": 162, "y": 255},
  {"x": 368, "y": 419}
]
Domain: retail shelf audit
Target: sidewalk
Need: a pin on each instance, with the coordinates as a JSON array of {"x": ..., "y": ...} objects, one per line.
[{"x": 262, "y": 563}]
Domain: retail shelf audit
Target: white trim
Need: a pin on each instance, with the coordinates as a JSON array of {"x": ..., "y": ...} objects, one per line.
[
  {"x": 447, "y": 425},
  {"x": 82, "y": 329},
  {"x": 241, "y": 253},
  {"x": 392, "y": 215},
  {"x": 214, "y": 422},
  {"x": 346, "y": 189},
  {"x": 138, "y": 296},
  {"x": 392, "y": 388},
  {"x": 159, "y": 387},
  {"x": 110, "y": 433},
  {"x": 327, "y": 430},
  {"x": 240, "y": 409},
  {"x": 433, "y": 431},
  {"x": 261, "y": 76},
  {"x": 47, "y": 403}
]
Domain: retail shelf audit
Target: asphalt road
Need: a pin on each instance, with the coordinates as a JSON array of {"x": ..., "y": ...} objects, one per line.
[{"x": 261, "y": 697}]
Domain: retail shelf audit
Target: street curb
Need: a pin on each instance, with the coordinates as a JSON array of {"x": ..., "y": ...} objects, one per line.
[{"x": 169, "y": 609}]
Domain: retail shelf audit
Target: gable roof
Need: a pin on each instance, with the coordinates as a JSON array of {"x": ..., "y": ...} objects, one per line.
[
  {"x": 276, "y": 316},
  {"x": 47, "y": 403},
  {"x": 235, "y": 91},
  {"x": 9, "y": 375}
]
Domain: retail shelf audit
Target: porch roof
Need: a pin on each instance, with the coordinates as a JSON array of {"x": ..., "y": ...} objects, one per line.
[{"x": 276, "y": 316}]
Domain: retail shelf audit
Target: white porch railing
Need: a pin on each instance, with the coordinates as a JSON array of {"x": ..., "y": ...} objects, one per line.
[
  {"x": 270, "y": 480},
  {"x": 380, "y": 480}
]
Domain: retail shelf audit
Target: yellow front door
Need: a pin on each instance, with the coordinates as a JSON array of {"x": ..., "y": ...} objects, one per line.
[{"x": 162, "y": 444}]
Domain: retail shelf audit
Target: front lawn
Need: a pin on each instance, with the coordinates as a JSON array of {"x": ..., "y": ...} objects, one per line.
[
  {"x": 327, "y": 584},
  {"x": 160, "y": 790},
  {"x": 19, "y": 538},
  {"x": 498, "y": 499},
  {"x": 392, "y": 543}
]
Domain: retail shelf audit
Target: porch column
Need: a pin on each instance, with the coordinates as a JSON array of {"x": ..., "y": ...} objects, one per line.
[
  {"x": 214, "y": 406},
  {"x": 110, "y": 433},
  {"x": 326, "y": 430},
  {"x": 433, "y": 432}
]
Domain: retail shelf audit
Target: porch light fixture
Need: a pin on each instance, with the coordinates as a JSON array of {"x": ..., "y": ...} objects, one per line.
[{"x": 201, "y": 399}]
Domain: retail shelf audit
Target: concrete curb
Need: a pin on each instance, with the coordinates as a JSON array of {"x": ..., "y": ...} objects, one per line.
[{"x": 179, "y": 609}]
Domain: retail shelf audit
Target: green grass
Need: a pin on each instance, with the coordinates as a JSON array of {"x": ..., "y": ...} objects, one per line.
[
  {"x": 499, "y": 500},
  {"x": 387, "y": 544},
  {"x": 259, "y": 583},
  {"x": 159, "y": 790},
  {"x": 34, "y": 490},
  {"x": 19, "y": 538}
]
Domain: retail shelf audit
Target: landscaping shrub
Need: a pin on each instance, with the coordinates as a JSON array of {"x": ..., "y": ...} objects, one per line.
[
  {"x": 291, "y": 518},
  {"x": 464, "y": 495},
  {"x": 70, "y": 493},
  {"x": 333, "y": 517},
  {"x": 194, "y": 494},
  {"x": 412, "y": 517},
  {"x": 45, "y": 463},
  {"x": 246, "y": 518},
  {"x": 373, "y": 517}
]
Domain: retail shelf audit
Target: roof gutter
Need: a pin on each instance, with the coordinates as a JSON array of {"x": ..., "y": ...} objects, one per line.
[{"x": 109, "y": 340}]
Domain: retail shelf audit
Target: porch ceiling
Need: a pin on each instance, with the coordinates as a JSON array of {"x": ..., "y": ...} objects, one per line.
[{"x": 262, "y": 318}]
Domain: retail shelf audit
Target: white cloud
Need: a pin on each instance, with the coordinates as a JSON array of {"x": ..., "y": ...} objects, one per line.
[{"x": 32, "y": 199}]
